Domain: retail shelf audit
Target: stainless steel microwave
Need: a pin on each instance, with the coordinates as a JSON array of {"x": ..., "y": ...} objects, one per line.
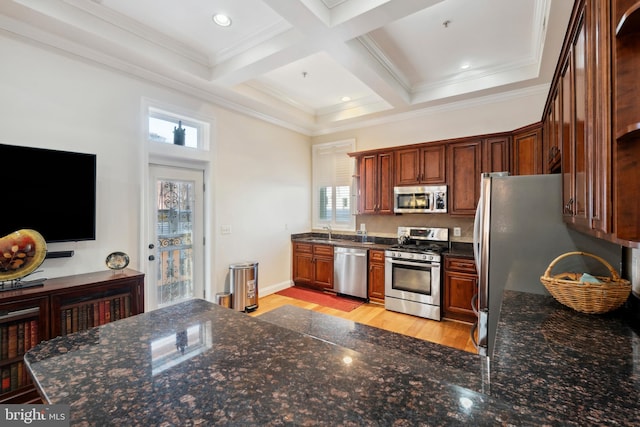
[{"x": 421, "y": 199}]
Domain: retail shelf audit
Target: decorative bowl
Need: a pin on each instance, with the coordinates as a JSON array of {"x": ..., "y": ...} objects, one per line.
[
  {"x": 117, "y": 260},
  {"x": 21, "y": 253}
]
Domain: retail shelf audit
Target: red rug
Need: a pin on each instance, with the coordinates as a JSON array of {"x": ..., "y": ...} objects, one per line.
[{"x": 321, "y": 298}]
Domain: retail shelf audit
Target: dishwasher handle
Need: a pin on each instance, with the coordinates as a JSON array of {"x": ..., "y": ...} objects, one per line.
[{"x": 350, "y": 252}]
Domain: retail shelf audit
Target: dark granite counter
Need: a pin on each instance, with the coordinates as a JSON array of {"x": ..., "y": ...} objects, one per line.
[
  {"x": 199, "y": 363},
  {"x": 345, "y": 240},
  {"x": 460, "y": 250},
  {"x": 581, "y": 367}
]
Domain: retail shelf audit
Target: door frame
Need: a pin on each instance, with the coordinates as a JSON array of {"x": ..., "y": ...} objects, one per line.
[{"x": 148, "y": 267}]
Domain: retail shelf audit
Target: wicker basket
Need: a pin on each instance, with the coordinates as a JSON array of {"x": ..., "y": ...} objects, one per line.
[{"x": 591, "y": 298}]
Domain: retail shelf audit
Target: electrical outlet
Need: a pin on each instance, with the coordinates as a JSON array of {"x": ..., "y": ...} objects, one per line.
[{"x": 457, "y": 232}]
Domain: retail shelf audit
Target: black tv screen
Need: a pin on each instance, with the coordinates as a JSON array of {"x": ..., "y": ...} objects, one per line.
[{"x": 50, "y": 191}]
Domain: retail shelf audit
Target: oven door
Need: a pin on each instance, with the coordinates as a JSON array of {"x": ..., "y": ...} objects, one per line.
[{"x": 412, "y": 280}]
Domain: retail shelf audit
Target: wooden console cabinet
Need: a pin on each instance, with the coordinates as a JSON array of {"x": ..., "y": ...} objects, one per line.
[{"x": 62, "y": 306}]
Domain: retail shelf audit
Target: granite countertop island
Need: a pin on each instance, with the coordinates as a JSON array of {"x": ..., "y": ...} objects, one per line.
[{"x": 198, "y": 363}]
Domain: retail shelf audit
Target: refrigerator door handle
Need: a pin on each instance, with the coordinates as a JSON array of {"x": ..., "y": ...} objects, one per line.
[
  {"x": 474, "y": 304},
  {"x": 477, "y": 234},
  {"x": 483, "y": 332},
  {"x": 474, "y": 328}
]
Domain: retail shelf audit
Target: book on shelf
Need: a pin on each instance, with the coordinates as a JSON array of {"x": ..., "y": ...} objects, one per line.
[
  {"x": 82, "y": 321},
  {"x": 13, "y": 376},
  {"x": 96, "y": 315},
  {"x": 4, "y": 341},
  {"x": 20, "y": 350},
  {"x": 74, "y": 319},
  {"x": 6, "y": 379},
  {"x": 101, "y": 307},
  {"x": 12, "y": 346},
  {"x": 27, "y": 337},
  {"x": 88, "y": 315},
  {"x": 17, "y": 337},
  {"x": 34, "y": 333}
]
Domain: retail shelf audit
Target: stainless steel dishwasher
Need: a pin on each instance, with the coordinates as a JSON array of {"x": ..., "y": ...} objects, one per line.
[{"x": 350, "y": 271}]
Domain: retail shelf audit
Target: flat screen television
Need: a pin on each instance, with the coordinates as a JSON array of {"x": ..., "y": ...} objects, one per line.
[{"x": 50, "y": 191}]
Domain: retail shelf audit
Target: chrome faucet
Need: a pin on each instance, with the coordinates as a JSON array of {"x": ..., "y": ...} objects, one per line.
[{"x": 328, "y": 228}]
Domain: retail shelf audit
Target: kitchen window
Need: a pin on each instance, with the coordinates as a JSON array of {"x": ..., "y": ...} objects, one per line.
[{"x": 333, "y": 185}]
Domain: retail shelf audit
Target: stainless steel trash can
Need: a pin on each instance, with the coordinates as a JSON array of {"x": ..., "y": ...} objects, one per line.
[
  {"x": 244, "y": 286},
  {"x": 223, "y": 299}
]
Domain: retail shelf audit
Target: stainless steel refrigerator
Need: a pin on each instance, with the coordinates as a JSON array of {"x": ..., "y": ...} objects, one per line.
[{"x": 518, "y": 232}]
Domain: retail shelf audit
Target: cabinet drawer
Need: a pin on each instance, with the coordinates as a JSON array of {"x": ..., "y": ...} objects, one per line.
[
  {"x": 460, "y": 264},
  {"x": 376, "y": 256},
  {"x": 326, "y": 250},
  {"x": 302, "y": 247}
]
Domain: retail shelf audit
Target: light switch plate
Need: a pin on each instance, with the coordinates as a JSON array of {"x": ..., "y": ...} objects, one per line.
[
  {"x": 457, "y": 232},
  {"x": 225, "y": 229}
]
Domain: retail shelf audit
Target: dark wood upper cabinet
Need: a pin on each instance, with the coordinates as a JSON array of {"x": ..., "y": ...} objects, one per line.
[
  {"x": 626, "y": 118},
  {"x": 463, "y": 176},
  {"x": 594, "y": 97},
  {"x": 552, "y": 134},
  {"x": 375, "y": 183},
  {"x": 577, "y": 94},
  {"x": 420, "y": 165},
  {"x": 496, "y": 154},
  {"x": 527, "y": 151}
]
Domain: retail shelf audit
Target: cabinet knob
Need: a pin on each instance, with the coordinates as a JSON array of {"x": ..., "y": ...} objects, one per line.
[
  {"x": 151, "y": 246},
  {"x": 152, "y": 258}
]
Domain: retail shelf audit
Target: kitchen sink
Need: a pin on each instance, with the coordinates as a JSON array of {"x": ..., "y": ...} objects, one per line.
[
  {"x": 321, "y": 240},
  {"x": 335, "y": 241}
]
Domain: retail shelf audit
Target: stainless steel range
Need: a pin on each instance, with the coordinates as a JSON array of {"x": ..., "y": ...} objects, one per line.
[{"x": 412, "y": 271}]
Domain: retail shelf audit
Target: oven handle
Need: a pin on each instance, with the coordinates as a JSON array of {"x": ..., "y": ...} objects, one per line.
[{"x": 413, "y": 264}]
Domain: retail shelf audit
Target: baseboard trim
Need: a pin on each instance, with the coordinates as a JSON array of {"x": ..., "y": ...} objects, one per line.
[{"x": 272, "y": 289}]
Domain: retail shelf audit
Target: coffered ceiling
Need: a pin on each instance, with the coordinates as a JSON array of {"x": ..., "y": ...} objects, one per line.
[{"x": 295, "y": 62}]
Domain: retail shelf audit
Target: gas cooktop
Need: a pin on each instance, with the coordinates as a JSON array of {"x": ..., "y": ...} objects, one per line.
[{"x": 420, "y": 248}]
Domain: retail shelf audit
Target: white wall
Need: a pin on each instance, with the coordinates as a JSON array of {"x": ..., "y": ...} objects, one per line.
[{"x": 260, "y": 177}]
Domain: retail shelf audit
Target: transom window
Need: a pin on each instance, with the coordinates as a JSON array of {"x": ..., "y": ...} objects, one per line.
[{"x": 162, "y": 125}]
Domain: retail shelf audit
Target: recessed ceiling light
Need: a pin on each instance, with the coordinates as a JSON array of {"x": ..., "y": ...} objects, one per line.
[
  {"x": 221, "y": 19},
  {"x": 465, "y": 66},
  {"x": 346, "y": 98}
]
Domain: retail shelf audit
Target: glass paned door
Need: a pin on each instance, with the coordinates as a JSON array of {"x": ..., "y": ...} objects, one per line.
[{"x": 176, "y": 228}]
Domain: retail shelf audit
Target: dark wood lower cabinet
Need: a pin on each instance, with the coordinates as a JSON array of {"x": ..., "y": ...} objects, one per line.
[
  {"x": 313, "y": 265},
  {"x": 63, "y": 305},
  {"x": 460, "y": 285},
  {"x": 376, "y": 276}
]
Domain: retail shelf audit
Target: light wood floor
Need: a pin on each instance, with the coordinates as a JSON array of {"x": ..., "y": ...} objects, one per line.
[{"x": 446, "y": 332}]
